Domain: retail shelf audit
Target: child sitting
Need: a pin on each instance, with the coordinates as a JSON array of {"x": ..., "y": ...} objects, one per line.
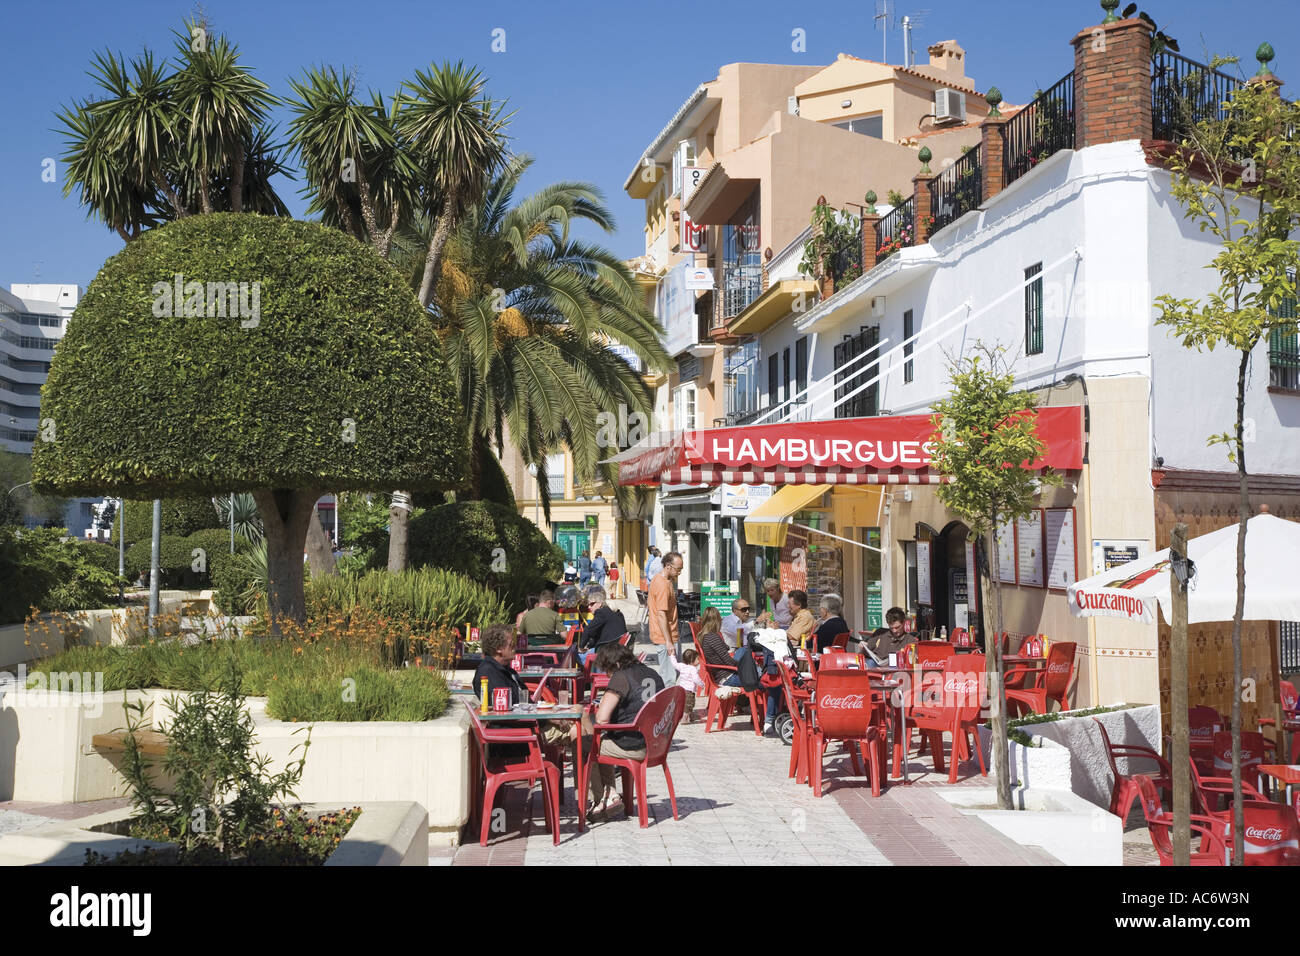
[{"x": 688, "y": 678}]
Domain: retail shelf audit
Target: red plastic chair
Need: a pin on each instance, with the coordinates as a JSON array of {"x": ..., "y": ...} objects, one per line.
[
  {"x": 1210, "y": 791},
  {"x": 1202, "y": 724},
  {"x": 1272, "y": 834},
  {"x": 847, "y": 708},
  {"x": 957, "y": 712},
  {"x": 1015, "y": 679},
  {"x": 1160, "y": 824},
  {"x": 656, "y": 722},
  {"x": 798, "y": 703},
  {"x": 1125, "y": 789},
  {"x": 841, "y": 641},
  {"x": 720, "y": 708},
  {"x": 498, "y": 771},
  {"x": 625, "y": 640},
  {"x": 840, "y": 660},
  {"x": 934, "y": 652},
  {"x": 1254, "y": 751},
  {"x": 1054, "y": 687}
]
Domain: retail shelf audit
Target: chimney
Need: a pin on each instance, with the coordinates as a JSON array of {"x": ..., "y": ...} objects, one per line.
[{"x": 949, "y": 58}]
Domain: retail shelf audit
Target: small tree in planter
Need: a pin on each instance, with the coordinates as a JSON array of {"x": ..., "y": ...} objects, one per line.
[
  {"x": 229, "y": 352},
  {"x": 985, "y": 440}
]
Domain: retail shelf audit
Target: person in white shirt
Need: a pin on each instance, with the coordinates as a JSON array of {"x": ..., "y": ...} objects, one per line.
[
  {"x": 738, "y": 619},
  {"x": 780, "y": 606}
]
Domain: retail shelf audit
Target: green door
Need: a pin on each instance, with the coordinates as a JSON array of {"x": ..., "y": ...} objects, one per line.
[{"x": 573, "y": 540}]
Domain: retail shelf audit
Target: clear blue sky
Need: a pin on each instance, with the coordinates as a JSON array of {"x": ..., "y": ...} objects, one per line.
[{"x": 592, "y": 83}]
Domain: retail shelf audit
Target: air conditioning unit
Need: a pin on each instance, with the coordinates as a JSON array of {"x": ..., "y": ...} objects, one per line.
[
  {"x": 877, "y": 306},
  {"x": 949, "y": 105},
  {"x": 792, "y": 105}
]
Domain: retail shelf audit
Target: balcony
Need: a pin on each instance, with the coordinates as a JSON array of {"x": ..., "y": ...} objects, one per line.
[
  {"x": 956, "y": 191},
  {"x": 1184, "y": 92},
  {"x": 1044, "y": 127},
  {"x": 741, "y": 285}
]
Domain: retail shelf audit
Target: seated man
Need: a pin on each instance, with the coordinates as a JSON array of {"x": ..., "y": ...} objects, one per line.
[
  {"x": 542, "y": 623},
  {"x": 832, "y": 625},
  {"x": 606, "y": 626},
  {"x": 498, "y": 651},
  {"x": 738, "y": 619},
  {"x": 888, "y": 640},
  {"x": 802, "y": 621}
]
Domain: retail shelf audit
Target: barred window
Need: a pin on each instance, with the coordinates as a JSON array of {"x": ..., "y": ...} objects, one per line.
[{"x": 1034, "y": 310}]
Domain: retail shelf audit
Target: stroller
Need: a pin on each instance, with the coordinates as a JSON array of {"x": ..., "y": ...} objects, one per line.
[{"x": 773, "y": 644}]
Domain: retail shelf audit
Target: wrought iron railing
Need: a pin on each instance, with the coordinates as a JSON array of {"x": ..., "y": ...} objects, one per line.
[
  {"x": 956, "y": 191},
  {"x": 741, "y": 285},
  {"x": 896, "y": 229},
  {"x": 846, "y": 264},
  {"x": 864, "y": 403},
  {"x": 1183, "y": 93},
  {"x": 1044, "y": 127}
]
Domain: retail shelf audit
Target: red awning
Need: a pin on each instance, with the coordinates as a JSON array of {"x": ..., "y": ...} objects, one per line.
[{"x": 889, "y": 450}]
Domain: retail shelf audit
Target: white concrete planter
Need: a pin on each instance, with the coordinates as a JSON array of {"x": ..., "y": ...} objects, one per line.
[
  {"x": 385, "y": 834},
  {"x": 1066, "y": 826},
  {"x": 1070, "y": 755},
  {"x": 52, "y": 634},
  {"x": 46, "y": 754}
]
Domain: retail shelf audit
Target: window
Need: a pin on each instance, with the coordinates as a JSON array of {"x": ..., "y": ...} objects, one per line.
[
  {"x": 854, "y": 398},
  {"x": 908, "y": 332},
  {"x": 684, "y": 155},
  {"x": 873, "y": 126},
  {"x": 1284, "y": 350},
  {"x": 801, "y": 368},
  {"x": 1034, "y": 310},
  {"x": 785, "y": 375},
  {"x": 773, "y": 381},
  {"x": 684, "y": 407},
  {"x": 555, "y": 475}
]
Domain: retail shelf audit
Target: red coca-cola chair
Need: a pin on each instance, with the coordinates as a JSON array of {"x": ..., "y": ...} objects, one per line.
[
  {"x": 656, "y": 722},
  {"x": 1202, "y": 724},
  {"x": 1272, "y": 835},
  {"x": 1255, "y": 750},
  {"x": 934, "y": 652},
  {"x": 1160, "y": 824},
  {"x": 847, "y": 708},
  {"x": 1211, "y": 791},
  {"x": 625, "y": 640},
  {"x": 720, "y": 708},
  {"x": 956, "y": 711},
  {"x": 797, "y": 702},
  {"x": 1124, "y": 791},
  {"x": 1053, "y": 686},
  {"x": 502, "y": 770},
  {"x": 1016, "y": 680},
  {"x": 840, "y": 660},
  {"x": 841, "y": 641}
]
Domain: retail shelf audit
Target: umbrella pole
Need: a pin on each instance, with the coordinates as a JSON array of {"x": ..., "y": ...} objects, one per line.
[{"x": 1180, "y": 757}]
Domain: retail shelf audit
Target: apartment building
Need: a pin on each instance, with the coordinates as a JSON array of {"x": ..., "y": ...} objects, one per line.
[{"x": 735, "y": 175}]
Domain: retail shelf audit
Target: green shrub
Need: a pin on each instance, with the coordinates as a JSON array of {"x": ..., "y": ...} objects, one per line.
[
  {"x": 488, "y": 542},
  {"x": 181, "y": 517},
  {"x": 240, "y": 582},
  {"x": 428, "y": 601},
  {"x": 39, "y": 570},
  {"x": 181, "y": 567},
  {"x": 413, "y": 693}
]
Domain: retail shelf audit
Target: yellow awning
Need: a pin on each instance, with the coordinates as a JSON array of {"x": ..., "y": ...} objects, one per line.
[
  {"x": 770, "y": 520},
  {"x": 857, "y": 506}
]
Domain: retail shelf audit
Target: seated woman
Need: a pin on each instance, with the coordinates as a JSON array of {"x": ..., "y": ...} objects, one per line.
[
  {"x": 498, "y": 643},
  {"x": 832, "y": 624},
  {"x": 713, "y": 647},
  {"x": 802, "y": 621},
  {"x": 631, "y": 685}
]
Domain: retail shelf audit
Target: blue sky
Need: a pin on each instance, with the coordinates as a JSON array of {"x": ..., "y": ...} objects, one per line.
[{"x": 591, "y": 83}]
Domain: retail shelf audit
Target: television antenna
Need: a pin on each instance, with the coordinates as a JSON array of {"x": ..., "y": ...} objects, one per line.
[{"x": 884, "y": 14}]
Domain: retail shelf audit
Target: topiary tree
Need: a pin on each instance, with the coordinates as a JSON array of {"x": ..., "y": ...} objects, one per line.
[
  {"x": 180, "y": 517},
  {"x": 490, "y": 543},
  {"x": 236, "y": 352}
]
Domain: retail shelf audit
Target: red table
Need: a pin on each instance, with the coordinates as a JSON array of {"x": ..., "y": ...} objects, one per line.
[{"x": 1288, "y": 774}]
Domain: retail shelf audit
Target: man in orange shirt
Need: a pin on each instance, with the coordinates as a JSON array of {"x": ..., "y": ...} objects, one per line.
[{"x": 662, "y": 606}]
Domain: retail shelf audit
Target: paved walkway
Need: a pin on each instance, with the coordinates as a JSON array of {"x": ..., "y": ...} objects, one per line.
[{"x": 736, "y": 806}]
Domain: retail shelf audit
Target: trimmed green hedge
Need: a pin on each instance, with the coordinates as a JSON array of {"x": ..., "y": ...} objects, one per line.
[
  {"x": 465, "y": 536},
  {"x": 176, "y": 558},
  {"x": 337, "y": 382},
  {"x": 180, "y": 517}
]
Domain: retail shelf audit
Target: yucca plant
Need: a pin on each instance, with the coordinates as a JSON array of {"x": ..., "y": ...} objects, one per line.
[{"x": 248, "y": 523}]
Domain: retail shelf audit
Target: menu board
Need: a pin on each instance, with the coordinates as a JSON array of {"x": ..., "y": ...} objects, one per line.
[
  {"x": 1062, "y": 552},
  {"x": 924, "y": 589},
  {"x": 719, "y": 594},
  {"x": 1029, "y": 551},
  {"x": 1006, "y": 556}
]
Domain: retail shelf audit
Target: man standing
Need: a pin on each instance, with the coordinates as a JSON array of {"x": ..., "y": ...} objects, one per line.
[
  {"x": 599, "y": 567},
  {"x": 584, "y": 570},
  {"x": 653, "y": 566},
  {"x": 737, "y": 619},
  {"x": 662, "y": 606}
]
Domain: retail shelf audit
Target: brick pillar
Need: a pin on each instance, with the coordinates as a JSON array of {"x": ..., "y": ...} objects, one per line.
[
  {"x": 1112, "y": 83},
  {"x": 993, "y": 171},
  {"x": 921, "y": 205},
  {"x": 870, "y": 241}
]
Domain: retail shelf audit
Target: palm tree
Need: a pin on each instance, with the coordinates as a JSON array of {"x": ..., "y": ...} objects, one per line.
[
  {"x": 221, "y": 104},
  {"x": 529, "y": 316}
]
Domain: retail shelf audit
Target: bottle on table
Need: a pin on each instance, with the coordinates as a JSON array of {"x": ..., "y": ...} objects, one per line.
[{"x": 483, "y": 692}]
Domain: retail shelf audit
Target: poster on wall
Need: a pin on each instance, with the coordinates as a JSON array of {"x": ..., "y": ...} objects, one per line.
[
  {"x": 1006, "y": 556},
  {"x": 1110, "y": 553},
  {"x": 972, "y": 578},
  {"x": 1029, "y": 551},
  {"x": 794, "y": 561},
  {"x": 1062, "y": 551},
  {"x": 924, "y": 589}
]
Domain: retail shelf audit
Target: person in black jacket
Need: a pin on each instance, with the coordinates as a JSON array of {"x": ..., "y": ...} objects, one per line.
[
  {"x": 498, "y": 643},
  {"x": 606, "y": 626}
]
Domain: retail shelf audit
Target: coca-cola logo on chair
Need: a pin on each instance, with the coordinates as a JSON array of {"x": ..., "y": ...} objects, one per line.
[
  {"x": 1060, "y": 667},
  {"x": 843, "y": 702},
  {"x": 1263, "y": 833},
  {"x": 663, "y": 723}
]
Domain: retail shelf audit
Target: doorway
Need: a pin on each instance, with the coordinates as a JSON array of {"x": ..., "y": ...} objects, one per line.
[{"x": 573, "y": 539}]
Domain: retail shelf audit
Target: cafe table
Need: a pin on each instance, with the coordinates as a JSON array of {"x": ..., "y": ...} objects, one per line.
[
  {"x": 534, "y": 714},
  {"x": 534, "y": 675},
  {"x": 1286, "y": 774}
]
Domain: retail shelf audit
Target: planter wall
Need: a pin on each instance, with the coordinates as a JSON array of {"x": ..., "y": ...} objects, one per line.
[
  {"x": 1072, "y": 756},
  {"x": 100, "y": 626},
  {"x": 46, "y": 756},
  {"x": 385, "y": 834},
  {"x": 1065, "y": 825}
]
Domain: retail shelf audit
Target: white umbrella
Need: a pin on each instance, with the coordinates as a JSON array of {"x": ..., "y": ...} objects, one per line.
[{"x": 1133, "y": 590}]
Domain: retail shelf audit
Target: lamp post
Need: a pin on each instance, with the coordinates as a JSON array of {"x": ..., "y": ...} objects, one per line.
[
  {"x": 154, "y": 575},
  {"x": 121, "y": 552}
]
